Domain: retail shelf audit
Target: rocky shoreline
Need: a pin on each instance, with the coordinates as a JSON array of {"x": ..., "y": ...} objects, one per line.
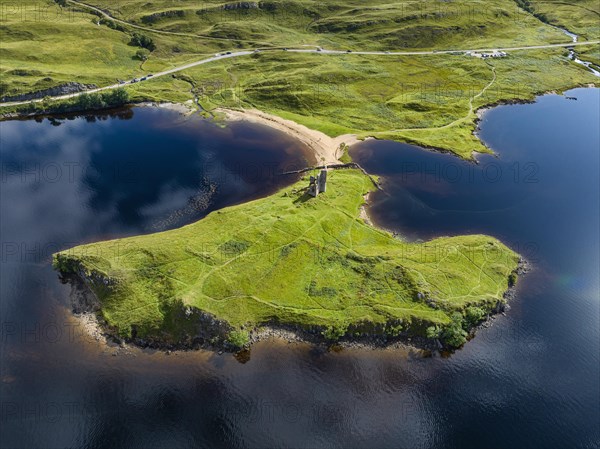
[
  {"x": 212, "y": 335},
  {"x": 183, "y": 109},
  {"x": 57, "y": 91}
]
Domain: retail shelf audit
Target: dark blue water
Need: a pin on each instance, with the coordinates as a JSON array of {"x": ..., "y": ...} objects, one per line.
[
  {"x": 530, "y": 380},
  {"x": 541, "y": 196}
]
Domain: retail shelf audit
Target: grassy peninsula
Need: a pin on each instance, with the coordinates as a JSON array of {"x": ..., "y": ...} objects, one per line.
[{"x": 295, "y": 261}]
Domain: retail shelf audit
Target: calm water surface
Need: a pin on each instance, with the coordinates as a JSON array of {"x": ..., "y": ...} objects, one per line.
[{"x": 530, "y": 380}]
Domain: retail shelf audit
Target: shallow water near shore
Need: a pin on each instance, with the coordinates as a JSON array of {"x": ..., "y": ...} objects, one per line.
[{"x": 529, "y": 380}]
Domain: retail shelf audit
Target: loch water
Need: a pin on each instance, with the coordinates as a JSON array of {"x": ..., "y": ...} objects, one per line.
[{"x": 529, "y": 380}]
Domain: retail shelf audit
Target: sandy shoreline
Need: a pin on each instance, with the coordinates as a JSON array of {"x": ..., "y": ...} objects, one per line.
[{"x": 326, "y": 149}]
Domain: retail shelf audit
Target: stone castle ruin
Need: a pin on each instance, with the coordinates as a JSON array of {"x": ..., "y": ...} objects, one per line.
[{"x": 318, "y": 184}]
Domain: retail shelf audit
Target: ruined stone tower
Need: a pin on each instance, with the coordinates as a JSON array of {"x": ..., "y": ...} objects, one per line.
[
  {"x": 313, "y": 187},
  {"x": 323, "y": 181},
  {"x": 318, "y": 184}
]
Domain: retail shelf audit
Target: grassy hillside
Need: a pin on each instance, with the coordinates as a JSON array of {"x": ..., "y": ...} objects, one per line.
[
  {"x": 581, "y": 17},
  {"x": 381, "y": 24},
  {"x": 41, "y": 46},
  {"x": 429, "y": 100},
  {"x": 294, "y": 260}
]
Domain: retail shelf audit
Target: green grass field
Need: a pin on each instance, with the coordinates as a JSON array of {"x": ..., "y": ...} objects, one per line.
[
  {"x": 294, "y": 260},
  {"x": 428, "y": 100},
  {"x": 578, "y": 16},
  {"x": 340, "y": 23}
]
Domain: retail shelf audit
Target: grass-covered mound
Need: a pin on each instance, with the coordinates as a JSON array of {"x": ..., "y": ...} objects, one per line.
[{"x": 290, "y": 259}]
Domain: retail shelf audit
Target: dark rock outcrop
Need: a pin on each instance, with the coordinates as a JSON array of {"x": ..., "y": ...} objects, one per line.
[
  {"x": 63, "y": 89},
  {"x": 240, "y": 5}
]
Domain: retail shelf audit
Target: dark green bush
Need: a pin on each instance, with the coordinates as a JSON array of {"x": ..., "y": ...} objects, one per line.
[
  {"x": 143, "y": 41},
  {"x": 238, "y": 339},
  {"x": 474, "y": 315},
  {"x": 334, "y": 333},
  {"x": 454, "y": 335}
]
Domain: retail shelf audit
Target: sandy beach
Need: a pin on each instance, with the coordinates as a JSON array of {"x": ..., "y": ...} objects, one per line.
[{"x": 326, "y": 149}]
